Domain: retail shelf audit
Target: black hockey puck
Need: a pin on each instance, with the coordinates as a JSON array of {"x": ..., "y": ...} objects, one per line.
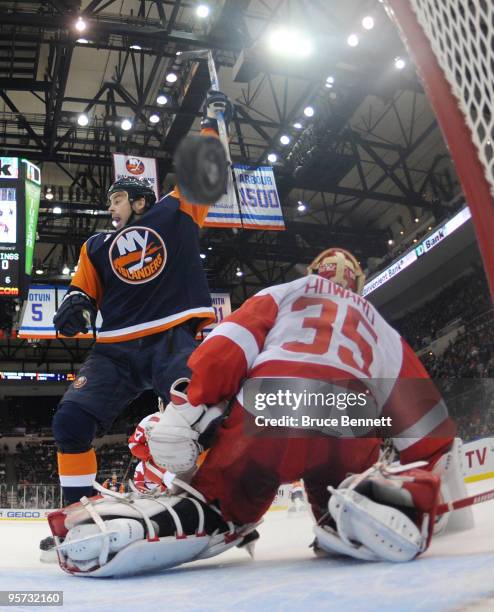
[{"x": 201, "y": 169}]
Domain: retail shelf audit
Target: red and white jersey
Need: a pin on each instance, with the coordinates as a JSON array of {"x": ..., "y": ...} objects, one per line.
[
  {"x": 138, "y": 442},
  {"x": 312, "y": 328}
]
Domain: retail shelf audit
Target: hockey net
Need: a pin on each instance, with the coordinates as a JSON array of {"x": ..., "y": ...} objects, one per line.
[{"x": 452, "y": 45}]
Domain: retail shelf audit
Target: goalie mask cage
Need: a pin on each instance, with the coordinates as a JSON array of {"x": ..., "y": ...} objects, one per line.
[{"x": 451, "y": 43}]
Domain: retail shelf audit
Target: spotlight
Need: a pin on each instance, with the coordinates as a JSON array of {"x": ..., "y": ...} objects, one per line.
[
  {"x": 429, "y": 228},
  {"x": 66, "y": 270},
  {"x": 202, "y": 11},
  {"x": 202, "y": 255},
  {"x": 48, "y": 194},
  {"x": 309, "y": 111},
  {"x": 297, "y": 125},
  {"x": 399, "y": 63},
  {"x": 391, "y": 242},
  {"x": 57, "y": 210},
  {"x": 285, "y": 139},
  {"x": 239, "y": 272},
  {"x": 82, "y": 41},
  {"x": 126, "y": 125},
  {"x": 154, "y": 118},
  {"x": 289, "y": 43},
  {"x": 135, "y": 47},
  {"x": 352, "y": 40},
  {"x": 161, "y": 99},
  {"x": 368, "y": 22},
  {"x": 415, "y": 240},
  {"x": 272, "y": 157},
  {"x": 80, "y": 24},
  {"x": 416, "y": 219},
  {"x": 171, "y": 77},
  {"x": 402, "y": 232},
  {"x": 210, "y": 248},
  {"x": 83, "y": 119},
  {"x": 39, "y": 271},
  {"x": 301, "y": 206}
]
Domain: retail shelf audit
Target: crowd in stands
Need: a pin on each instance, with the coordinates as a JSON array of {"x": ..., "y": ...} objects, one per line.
[
  {"x": 463, "y": 300},
  {"x": 36, "y": 463}
]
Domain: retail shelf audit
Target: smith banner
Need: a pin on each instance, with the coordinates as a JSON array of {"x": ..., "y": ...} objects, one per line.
[
  {"x": 260, "y": 206},
  {"x": 138, "y": 167}
]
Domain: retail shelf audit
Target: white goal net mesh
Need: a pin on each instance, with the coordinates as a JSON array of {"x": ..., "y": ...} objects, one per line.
[{"x": 461, "y": 35}]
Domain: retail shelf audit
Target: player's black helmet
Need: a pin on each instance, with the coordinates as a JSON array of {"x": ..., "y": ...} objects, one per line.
[{"x": 135, "y": 189}]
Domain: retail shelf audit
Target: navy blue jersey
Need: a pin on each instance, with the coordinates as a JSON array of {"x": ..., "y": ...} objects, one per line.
[{"x": 148, "y": 276}]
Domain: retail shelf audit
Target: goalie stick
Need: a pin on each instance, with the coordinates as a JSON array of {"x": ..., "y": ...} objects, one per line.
[{"x": 450, "y": 506}]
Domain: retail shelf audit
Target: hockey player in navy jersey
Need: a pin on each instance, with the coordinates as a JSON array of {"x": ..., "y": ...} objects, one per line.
[{"x": 147, "y": 281}]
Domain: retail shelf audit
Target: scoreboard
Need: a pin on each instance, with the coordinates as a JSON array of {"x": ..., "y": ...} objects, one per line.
[{"x": 20, "y": 190}]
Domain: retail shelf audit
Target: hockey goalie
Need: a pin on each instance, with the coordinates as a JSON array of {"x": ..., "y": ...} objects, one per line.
[{"x": 316, "y": 328}]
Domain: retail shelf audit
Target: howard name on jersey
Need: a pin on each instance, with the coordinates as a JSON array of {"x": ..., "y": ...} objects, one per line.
[
  {"x": 148, "y": 276},
  {"x": 313, "y": 328}
]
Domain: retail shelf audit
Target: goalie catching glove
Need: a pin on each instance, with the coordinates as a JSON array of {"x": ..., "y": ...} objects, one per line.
[
  {"x": 76, "y": 314},
  {"x": 175, "y": 438},
  {"x": 384, "y": 514}
]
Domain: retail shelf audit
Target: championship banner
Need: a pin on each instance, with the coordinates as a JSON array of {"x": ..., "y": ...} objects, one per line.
[
  {"x": 260, "y": 206},
  {"x": 43, "y": 301},
  {"x": 138, "y": 167}
]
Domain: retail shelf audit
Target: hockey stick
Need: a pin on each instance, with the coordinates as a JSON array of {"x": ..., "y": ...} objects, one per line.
[
  {"x": 480, "y": 498},
  {"x": 222, "y": 132}
]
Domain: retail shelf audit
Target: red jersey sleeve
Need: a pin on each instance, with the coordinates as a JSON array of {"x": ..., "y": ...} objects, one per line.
[
  {"x": 421, "y": 424},
  {"x": 226, "y": 356}
]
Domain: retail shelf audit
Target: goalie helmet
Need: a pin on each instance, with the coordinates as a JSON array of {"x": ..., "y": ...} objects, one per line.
[
  {"x": 341, "y": 267},
  {"x": 135, "y": 188}
]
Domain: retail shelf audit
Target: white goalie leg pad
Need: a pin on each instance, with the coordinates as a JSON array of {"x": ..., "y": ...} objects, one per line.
[
  {"x": 150, "y": 555},
  {"x": 369, "y": 531},
  {"x": 95, "y": 547},
  {"x": 450, "y": 469},
  {"x": 84, "y": 543}
]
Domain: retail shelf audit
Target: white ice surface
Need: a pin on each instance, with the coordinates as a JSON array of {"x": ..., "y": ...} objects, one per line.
[{"x": 456, "y": 573}]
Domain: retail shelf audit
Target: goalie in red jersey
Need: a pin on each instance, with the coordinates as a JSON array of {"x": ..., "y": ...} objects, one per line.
[{"x": 317, "y": 330}]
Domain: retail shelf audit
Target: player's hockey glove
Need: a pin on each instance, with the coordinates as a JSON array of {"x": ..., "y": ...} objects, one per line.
[
  {"x": 175, "y": 440},
  {"x": 216, "y": 102},
  {"x": 76, "y": 314},
  {"x": 384, "y": 514}
]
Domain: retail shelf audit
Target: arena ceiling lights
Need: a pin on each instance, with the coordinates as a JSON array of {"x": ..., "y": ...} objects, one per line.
[{"x": 289, "y": 43}]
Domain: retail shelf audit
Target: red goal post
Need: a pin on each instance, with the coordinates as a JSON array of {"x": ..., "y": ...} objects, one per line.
[{"x": 451, "y": 43}]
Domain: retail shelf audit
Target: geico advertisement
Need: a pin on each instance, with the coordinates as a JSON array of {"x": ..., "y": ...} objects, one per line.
[{"x": 33, "y": 514}]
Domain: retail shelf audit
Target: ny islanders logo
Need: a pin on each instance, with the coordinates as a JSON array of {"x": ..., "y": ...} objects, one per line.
[
  {"x": 137, "y": 255},
  {"x": 134, "y": 165}
]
